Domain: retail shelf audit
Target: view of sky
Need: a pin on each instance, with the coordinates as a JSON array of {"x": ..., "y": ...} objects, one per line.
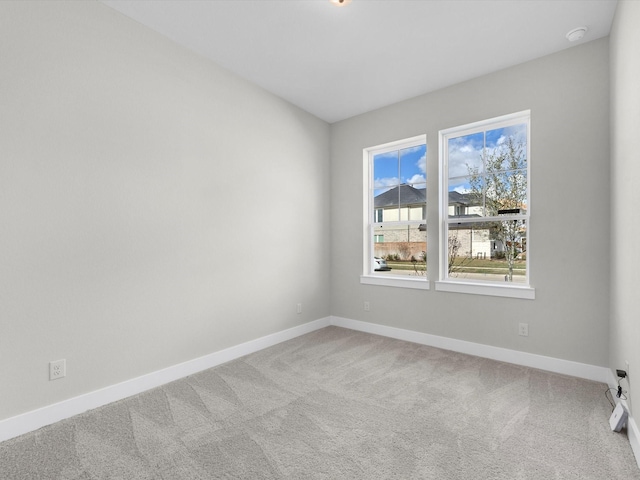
[
  {"x": 408, "y": 166},
  {"x": 466, "y": 151}
]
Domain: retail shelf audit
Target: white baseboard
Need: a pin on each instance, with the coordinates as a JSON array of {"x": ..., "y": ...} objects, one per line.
[
  {"x": 30, "y": 421},
  {"x": 550, "y": 364},
  {"x": 633, "y": 433}
]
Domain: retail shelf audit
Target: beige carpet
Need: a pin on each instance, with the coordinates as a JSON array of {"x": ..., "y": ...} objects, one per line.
[{"x": 339, "y": 404}]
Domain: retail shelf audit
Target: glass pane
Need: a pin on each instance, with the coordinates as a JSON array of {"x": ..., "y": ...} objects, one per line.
[
  {"x": 506, "y": 192},
  {"x": 413, "y": 202},
  {"x": 386, "y": 206},
  {"x": 465, "y": 155},
  {"x": 488, "y": 251},
  {"x": 386, "y": 181},
  {"x": 413, "y": 165},
  {"x": 386, "y": 174},
  {"x": 400, "y": 250},
  {"x": 466, "y": 197},
  {"x": 506, "y": 148},
  {"x": 401, "y": 203}
]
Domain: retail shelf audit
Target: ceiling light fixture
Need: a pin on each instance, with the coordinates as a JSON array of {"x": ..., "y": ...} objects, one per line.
[
  {"x": 576, "y": 34},
  {"x": 340, "y": 3}
]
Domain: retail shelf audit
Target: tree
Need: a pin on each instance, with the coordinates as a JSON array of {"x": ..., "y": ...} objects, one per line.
[
  {"x": 420, "y": 265},
  {"x": 501, "y": 187},
  {"x": 454, "y": 263},
  {"x": 454, "y": 246},
  {"x": 404, "y": 250}
]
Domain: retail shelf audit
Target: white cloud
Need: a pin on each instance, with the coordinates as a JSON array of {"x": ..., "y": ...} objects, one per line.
[
  {"x": 417, "y": 178},
  {"x": 461, "y": 158},
  {"x": 422, "y": 163},
  {"x": 385, "y": 182}
]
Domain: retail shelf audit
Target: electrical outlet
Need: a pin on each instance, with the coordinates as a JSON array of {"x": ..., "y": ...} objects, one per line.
[
  {"x": 626, "y": 363},
  {"x": 523, "y": 329},
  {"x": 57, "y": 369},
  {"x": 299, "y": 308},
  {"x": 367, "y": 307}
]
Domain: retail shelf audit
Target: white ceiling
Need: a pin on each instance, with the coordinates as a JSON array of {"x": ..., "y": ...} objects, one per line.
[{"x": 337, "y": 62}]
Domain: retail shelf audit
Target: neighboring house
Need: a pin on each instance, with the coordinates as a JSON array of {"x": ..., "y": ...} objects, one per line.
[
  {"x": 403, "y": 202},
  {"x": 473, "y": 239},
  {"x": 407, "y": 203}
]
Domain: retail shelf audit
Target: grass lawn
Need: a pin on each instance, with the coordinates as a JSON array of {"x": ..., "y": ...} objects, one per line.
[{"x": 469, "y": 265}]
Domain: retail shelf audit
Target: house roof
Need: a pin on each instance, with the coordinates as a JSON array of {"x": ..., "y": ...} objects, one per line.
[
  {"x": 457, "y": 198},
  {"x": 403, "y": 194},
  {"x": 408, "y": 195}
]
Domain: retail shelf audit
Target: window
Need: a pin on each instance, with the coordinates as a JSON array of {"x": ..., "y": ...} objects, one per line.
[
  {"x": 395, "y": 233},
  {"x": 485, "y": 207}
]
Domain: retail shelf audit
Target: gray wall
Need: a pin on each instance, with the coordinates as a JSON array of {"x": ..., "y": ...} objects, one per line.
[
  {"x": 568, "y": 94},
  {"x": 625, "y": 161},
  {"x": 154, "y": 207}
]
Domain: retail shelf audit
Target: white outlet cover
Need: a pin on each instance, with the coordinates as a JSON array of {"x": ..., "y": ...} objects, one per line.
[{"x": 57, "y": 369}]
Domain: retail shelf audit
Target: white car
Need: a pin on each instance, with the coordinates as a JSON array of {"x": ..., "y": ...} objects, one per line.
[{"x": 380, "y": 265}]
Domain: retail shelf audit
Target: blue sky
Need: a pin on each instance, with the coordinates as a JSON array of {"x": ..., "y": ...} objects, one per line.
[
  {"x": 467, "y": 151},
  {"x": 408, "y": 165}
]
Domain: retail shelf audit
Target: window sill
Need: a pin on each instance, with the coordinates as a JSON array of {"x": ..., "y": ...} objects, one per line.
[
  {"x": 511, "y": 291},
  {"x": 417, "y": 283}
]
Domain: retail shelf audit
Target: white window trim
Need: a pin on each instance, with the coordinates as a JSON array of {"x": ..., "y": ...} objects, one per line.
[
  {"x": 478, "y": 287},
  {"x": 403, "y": 282},
  {"x": 369, "y": 276}
]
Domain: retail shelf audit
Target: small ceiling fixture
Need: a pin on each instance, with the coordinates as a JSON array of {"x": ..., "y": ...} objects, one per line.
[
  {"x": 340, "y": 3},
  {"x": 576, "y": 34}
]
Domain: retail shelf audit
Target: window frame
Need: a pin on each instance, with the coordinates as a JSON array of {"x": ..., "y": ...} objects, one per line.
[
  {"x": 477, "y": 286},
  {"x": 369, "y": 276}
]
